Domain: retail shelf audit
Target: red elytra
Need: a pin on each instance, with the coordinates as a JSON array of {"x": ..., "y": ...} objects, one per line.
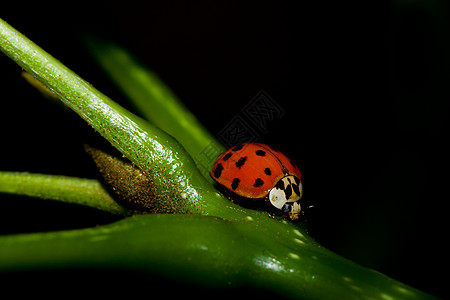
[{"x": 251, "y": 170}]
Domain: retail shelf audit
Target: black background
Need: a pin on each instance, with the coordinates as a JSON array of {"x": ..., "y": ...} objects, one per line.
[{"x": 364, "y": 87}]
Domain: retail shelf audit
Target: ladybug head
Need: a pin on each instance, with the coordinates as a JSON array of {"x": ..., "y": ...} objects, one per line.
[{"x": 286, "y": 196}]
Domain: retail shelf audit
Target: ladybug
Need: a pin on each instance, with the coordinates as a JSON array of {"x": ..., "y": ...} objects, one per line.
[{"x": 257, "y": 172}]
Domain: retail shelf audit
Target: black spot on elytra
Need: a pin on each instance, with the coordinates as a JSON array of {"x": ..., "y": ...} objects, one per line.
[
  {"x": 218, "y": 170},
  {"x": 238, "y": 147},
  {"x": 227, "y": 156},
  {"x": 280, "y": 185},
  {"x": 241, "y": 162},
  {"x": 267, "y": 171},
  {"x": 297, "y": 181},
  {"x": 296, "y": 189},
  {"x": 288, "y": 191},
  {"x": 235, "y": 183},
  {"x": 258, "y": 182},
  {"x": 260, "y": 153}
]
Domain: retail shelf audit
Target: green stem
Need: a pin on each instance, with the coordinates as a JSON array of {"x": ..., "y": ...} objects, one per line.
[
  {"x": 86, "y": 192},
  {"x": 208, "y": 252}
]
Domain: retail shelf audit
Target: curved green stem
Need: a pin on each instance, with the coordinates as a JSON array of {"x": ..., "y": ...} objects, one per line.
[
  {"x": 214, "y": 253},
  {"x": 86, "y": 192}
]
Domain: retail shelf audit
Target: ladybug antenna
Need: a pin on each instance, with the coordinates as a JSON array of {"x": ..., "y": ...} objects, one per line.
[{"x": 309, "y": 207}]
